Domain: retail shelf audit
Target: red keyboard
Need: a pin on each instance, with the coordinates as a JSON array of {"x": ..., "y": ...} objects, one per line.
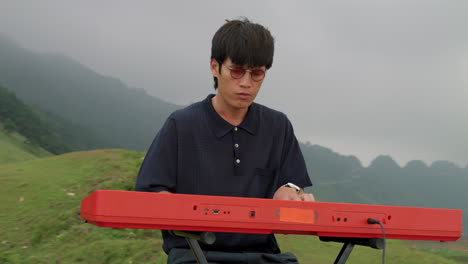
[{"x": 126, "y": 209}]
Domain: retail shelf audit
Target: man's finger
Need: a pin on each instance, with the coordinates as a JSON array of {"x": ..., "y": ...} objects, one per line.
[{"x": 295, "y": 198}]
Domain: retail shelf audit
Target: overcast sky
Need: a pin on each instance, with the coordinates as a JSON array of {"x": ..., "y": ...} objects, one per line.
[{"x": 360, "y": 77}]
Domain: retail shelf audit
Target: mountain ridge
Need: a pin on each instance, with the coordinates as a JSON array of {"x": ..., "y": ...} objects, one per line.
[{"x": 126, "y": 118}]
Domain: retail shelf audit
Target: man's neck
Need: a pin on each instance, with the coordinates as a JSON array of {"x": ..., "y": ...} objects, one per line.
[{"x": 233, "y": 116}]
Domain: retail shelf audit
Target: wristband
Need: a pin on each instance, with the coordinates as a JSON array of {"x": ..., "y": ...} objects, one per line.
[{"x": 294, "y": 186}]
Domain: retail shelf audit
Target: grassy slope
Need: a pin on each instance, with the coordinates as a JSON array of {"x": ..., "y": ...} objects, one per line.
[
  {"x": 40, "y": 206},
  {"x": 13, "y": 148},
  {"x": 40, "y": 221}
]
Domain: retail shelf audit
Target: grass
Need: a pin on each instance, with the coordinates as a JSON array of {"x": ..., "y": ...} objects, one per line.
[
  {"x": 310, "y": 249},
  {"x": 39, "y": 216},
  {"x": 457, "y": 251},
  {"x": 462, "y": 257},
  {"x": 13, "y": 148},
  {"x": 39, "y": 213}
]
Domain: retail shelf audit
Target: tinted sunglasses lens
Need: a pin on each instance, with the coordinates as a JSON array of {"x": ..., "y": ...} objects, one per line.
[
  {"x": 237, "y": 73},
  {"x": 257, "y": 75}
]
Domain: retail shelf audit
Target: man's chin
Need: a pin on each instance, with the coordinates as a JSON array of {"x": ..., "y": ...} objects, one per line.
[{"x": 244, "y": 104}]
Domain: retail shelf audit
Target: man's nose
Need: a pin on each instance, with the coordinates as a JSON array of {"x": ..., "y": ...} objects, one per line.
[{"x": 246, "y": 80}]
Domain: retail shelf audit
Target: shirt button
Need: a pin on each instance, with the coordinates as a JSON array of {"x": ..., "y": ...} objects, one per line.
[
  {"x": 236, "y": 145},
  {"x": 235, "y": 128},
  {"x": 237, "y": 161}
]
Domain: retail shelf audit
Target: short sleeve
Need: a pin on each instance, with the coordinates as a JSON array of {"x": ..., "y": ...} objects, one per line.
[
  {"x": 293, "y": 168},
  {"x": 158, "y": 171}
]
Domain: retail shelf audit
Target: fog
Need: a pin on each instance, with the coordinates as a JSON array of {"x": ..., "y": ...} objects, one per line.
[{"x": 360, "y": 77}]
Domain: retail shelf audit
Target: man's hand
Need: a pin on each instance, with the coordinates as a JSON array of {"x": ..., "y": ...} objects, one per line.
[{"x": 286, "y": 193}]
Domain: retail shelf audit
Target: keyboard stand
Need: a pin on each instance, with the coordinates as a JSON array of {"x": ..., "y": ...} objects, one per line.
[
  {"x": 349, "y": 242},
  {"x": 192, "y": 240}
]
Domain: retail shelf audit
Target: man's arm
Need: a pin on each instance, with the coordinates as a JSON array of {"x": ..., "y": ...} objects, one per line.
[
  {"x": 293, "y": 170},
  {"x": 158, "y": 171}
]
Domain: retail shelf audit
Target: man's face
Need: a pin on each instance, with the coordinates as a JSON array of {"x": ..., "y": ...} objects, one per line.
[{"x": 234, "y": 93}]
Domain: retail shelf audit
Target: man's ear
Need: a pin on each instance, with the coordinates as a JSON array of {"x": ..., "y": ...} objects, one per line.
[{"x": 214, "y": 67}]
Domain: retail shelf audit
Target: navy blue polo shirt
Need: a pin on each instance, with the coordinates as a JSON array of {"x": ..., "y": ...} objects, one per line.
[{"x": 198, "y": 152}]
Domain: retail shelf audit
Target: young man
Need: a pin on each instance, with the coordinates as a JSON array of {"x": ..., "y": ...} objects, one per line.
[{"x": 228, "y": 145}]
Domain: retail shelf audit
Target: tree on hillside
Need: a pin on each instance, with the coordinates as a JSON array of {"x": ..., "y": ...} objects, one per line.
[
  {"x": 8, "y": 126},
  {"x": 328, "y": 166},
  {"x": 21, "y": 118},
  {"x": 416, "y": 165},
  {"x": 384, "y": 162}
]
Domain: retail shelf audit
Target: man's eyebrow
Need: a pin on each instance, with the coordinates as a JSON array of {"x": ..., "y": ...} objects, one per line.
[{"x": 236, "y": 65}]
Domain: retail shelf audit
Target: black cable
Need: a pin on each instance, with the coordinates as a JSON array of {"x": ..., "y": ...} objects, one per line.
[{"x": 372, "y": 222}]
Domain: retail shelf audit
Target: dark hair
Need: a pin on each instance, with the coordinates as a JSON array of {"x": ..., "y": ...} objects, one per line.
[{"x": 244, "y": 42}]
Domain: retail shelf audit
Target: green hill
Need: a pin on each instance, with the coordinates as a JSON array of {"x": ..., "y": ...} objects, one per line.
[
  {"x": 17, "y": 117},
  {"x": 339, "y": 178},
  {"x": 39, "y": 216},
  {"x": 39, "y": 213},
  {"x": 112, "y": 114},
  {"x": 13, "y": 148}
]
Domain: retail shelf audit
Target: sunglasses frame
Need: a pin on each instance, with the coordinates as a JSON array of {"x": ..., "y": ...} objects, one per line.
[{"x": 234, "y": 76}]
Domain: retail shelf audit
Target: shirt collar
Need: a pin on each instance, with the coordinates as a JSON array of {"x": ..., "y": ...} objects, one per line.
[{"x": 221, "y": 127}]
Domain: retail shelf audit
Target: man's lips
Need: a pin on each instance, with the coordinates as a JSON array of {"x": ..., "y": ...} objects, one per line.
[{"x": 243, "y": 95}]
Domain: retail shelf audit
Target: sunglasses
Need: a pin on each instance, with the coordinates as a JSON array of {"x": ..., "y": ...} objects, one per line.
[{"x": 239, "y": 72}]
